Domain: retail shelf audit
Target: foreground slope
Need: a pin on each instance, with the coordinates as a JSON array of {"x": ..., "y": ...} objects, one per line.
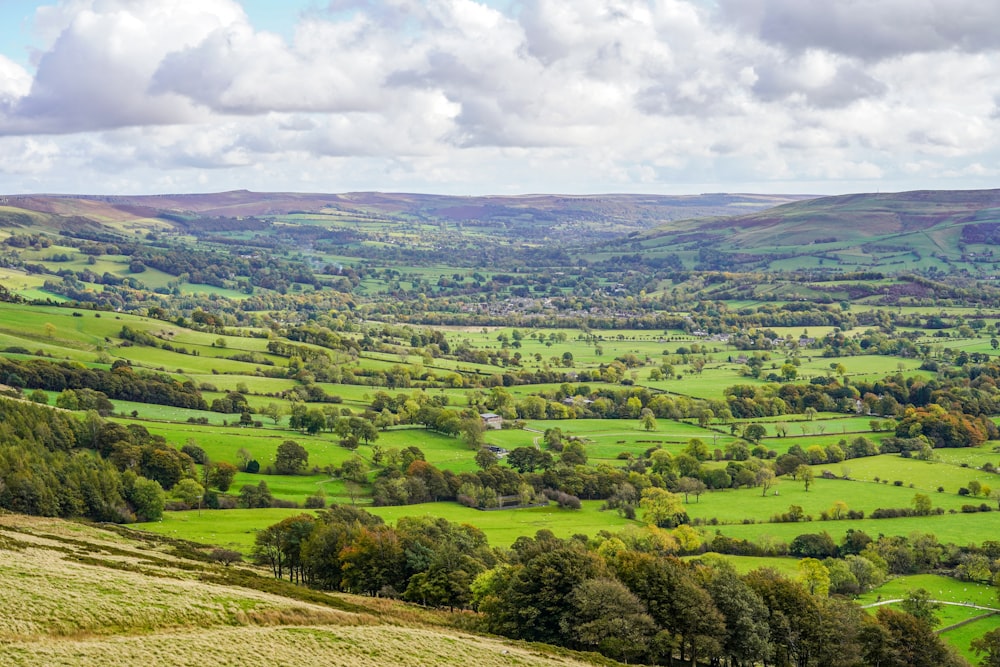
[{"x": 72, "y": 594}]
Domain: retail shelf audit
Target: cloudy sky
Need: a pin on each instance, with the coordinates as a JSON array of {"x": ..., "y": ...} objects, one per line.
[{"x": 499, "y": 96}]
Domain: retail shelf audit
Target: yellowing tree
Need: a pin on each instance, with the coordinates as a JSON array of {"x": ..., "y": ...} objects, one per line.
[
  {"x": 662, "y": 508},
  {"x": 814, "y": 576}
]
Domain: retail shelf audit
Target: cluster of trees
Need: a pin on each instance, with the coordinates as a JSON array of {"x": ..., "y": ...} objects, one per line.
[
  {"x": 44, "y": 470},
  {"x": 423, "y": 559},
  {"x": 121, "y": 382},
  {"x": 626, "y": 595}
]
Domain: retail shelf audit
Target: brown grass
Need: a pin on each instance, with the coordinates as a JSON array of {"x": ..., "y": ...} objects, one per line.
[
  {"x": 76, "y": 594},
  {"x": 286, "y": 646}
]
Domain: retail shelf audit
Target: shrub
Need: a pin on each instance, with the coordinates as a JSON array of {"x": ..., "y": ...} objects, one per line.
[
  {"x": 196, "y": 453},
  {"x": 563, "y": 499},
  {"x": 315, "y": 502},
  {"x": 226, "y": 556}
]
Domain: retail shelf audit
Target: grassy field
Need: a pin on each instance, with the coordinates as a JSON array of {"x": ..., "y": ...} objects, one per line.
[
  {"x": 963, "y": 636},
  {"x": 939, "y": 587},
  {"x": 961, "y": 529},
  {"x": 924, "y": 475},
  {"x": 235, "y": 528}
]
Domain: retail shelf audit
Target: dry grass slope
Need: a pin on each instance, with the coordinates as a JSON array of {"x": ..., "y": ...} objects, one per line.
[{"x": 73, "y": 594}]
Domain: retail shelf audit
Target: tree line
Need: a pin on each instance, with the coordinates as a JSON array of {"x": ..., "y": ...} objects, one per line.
[{"x": 626, "y": 595}]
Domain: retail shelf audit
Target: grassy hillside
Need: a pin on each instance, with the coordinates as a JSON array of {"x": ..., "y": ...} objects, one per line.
[
  {"x": 892, "y": 231},
  {"x": 82, "y": 595}
]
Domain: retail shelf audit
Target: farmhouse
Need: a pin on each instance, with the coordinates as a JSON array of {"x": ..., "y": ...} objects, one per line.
[{"x": 491, "y": 420}]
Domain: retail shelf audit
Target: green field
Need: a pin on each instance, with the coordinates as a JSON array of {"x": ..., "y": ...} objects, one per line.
[{"x": 236, "y": 528}]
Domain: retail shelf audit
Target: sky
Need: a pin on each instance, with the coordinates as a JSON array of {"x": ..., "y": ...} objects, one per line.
[{"x": 499, "y": 97}]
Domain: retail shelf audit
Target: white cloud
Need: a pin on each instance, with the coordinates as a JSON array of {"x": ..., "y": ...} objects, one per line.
[
  {"x": 97, "y": 71},
  {"x": 15, "y": 82},
  {"x": 455, "y": 95}
]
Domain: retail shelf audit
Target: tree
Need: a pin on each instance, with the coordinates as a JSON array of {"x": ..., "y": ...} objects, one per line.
[
  {"x": 485, "y": 458},
  {"x": 814, "y": 576},
  {"x": 990, "y": 642},
  {"x": 243, "y": 457},
  {"x": 608, "y": 617},
  {"x": 648, "y": 419},
  {"x": 662, "y": 508},
  {"x": 754, "y": 432},
  {"x": 689, "y": 485},
  {"x": 766, "y": 478},
  {"x": 574, "y": 453},
  {"x": 472, "y": 430},
  {"x": 805, "y": 474},
  {"x": 146, "y": 497},
  {"x": 898, "y": 638},
  {"x": 697, "y": 449},
  {"x": 255, "y": 496},
  {"x": 274, "y": 411},
  {"x": 290, "y": 458},
  {"x": 529, "y": 459},
  {"x": 748, "y": 637},
  {"x": 189, "y": 492},
  {"x": 922, "y": 504},
  {"x": 532, "y": 599},
  {"x": 838, "y": 510},
  {"x": 918, "y": 603},
  {"x": 221, "y": 475}
]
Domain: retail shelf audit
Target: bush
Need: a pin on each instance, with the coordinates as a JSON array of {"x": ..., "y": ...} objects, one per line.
[
  {"x": 253, "y": 467},
  {"x": 196, "y": 453},
  {"x": 227, "y": 503},
  {"x": 226, "y": 556},
  {"x": 563, "y": 499},
  {"x": 316, "y": 502}
]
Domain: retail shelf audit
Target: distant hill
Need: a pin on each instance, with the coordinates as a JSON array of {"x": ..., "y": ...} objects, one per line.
[
  {"x": 944, "y": 229},
  {"x": 588, "y": 217}
]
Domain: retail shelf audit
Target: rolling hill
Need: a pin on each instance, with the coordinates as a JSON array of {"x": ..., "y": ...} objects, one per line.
[
  {"x": 889, "y": 231},
  {"x": 590, "y": 217}
]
